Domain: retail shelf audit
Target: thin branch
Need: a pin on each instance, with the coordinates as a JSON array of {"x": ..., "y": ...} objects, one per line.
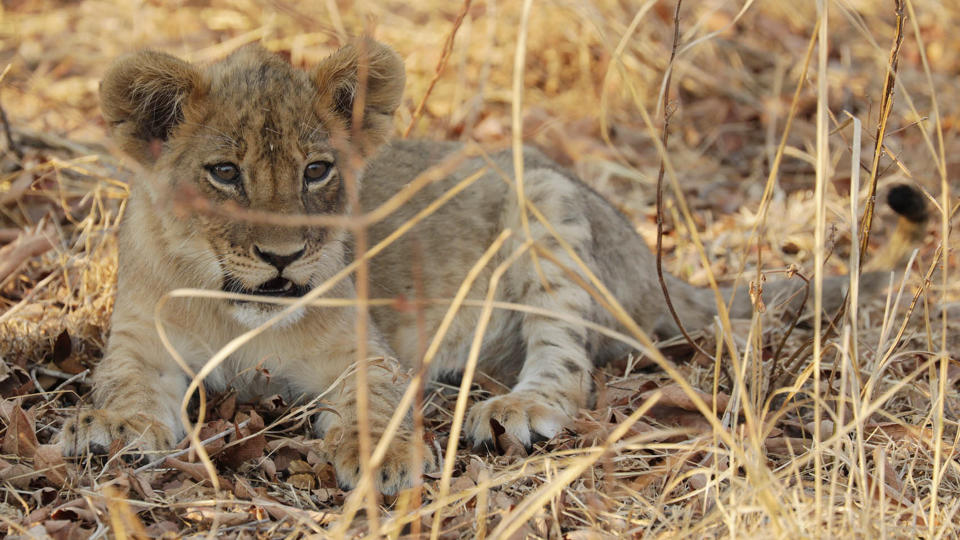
[
  {"x": 6, "y": 124},
  {"x": 667, "y": 113},
  {"x": 441, "y": 65},
  {"x": 886, "y": 106},
  {"x": 8, "y": 135}
]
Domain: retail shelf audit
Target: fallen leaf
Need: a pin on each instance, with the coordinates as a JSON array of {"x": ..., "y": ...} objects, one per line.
[
  {"x": 302, "y": 480},
  {"x": 12, "y": 378},
  {"x": 326, "y": 475},
  {"x": 476, "y": 468},
  {"x": 251, "y": 445},
  {"x": 37, "y": 532},
  {"x": 894, "y": 488},
  {"x": 37, "y": 516},
  {"x": 211, "y": 429},
  {"x": 461, "y": 483},
  {"x": 75, "y": 510},
  {"x": 324, "y": 495},
  {"x": 510, "y": 445},
  {"x": 48, "y": 460},
  {"x": 673, "y": 395},
  {"x": 196, "y": 472},
  {"x": 272, "y": 404},
  {"x": 142, "y": 486},
  {"x": 826, "y": 428},
  {"x": 21, "y": 437},
  {"x": 62, "y": 347},
  {"x": 787, "y": 446},
  {"x": 269, "y": 467},
  {"x": 243, "y": 489},
  {"x": 284, "y": 456},
  {"x": 227, "y": 409},
  {"x": 166, "y": 529},
  {"x": 299, "y": 466},
  {"x": 61, "y": 529}
]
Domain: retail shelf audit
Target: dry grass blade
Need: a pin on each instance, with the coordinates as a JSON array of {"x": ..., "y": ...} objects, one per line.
[
  {"x": 441, "y": 66},
  {"x": 822, "y": 176},
  {"x": 457, "y": 423}
]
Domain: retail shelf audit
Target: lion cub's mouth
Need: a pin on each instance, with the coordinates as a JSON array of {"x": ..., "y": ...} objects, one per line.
[{"x": 278, "y": 286}]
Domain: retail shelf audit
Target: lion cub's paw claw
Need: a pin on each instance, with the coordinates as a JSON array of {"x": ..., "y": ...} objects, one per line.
[
  {"x": 527, "y": 417},
  {"x": 92, "y": 432},
  {"x": 397, "y": 471}
]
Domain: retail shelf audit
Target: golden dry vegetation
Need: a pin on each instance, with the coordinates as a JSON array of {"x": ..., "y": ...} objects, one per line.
[{"x": 860, "y": 441}]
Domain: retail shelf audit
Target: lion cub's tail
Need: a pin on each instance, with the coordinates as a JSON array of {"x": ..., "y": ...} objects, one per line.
[{"x": 908, "y": 202}]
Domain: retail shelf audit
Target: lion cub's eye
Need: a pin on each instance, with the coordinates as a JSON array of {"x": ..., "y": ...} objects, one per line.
[
  {"x": 225, "y": 173},
  {"x": 317, "y": 172}
]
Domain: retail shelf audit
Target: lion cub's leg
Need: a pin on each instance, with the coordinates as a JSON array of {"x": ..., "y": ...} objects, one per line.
[
  {"x": 340, "y": 430},
  {"x": 137, "y": 391},
  {"x": 339, "y": 424},
  {"x": 555, "y": 380}
]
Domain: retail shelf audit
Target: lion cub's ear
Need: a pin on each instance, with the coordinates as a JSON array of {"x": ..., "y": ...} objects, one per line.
[
  {"x": 337, "y": 79},
  {"x": 142, "y": 97}
]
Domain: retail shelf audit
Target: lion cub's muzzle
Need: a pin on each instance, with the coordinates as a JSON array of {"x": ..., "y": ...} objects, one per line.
[{"x": 279, "y": 285}]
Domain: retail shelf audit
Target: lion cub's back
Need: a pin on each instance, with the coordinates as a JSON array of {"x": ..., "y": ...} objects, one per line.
[{"x": 433, "y": 258}]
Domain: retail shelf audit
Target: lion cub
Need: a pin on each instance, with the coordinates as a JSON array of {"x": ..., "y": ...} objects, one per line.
[{"x": 253, "y": 132}]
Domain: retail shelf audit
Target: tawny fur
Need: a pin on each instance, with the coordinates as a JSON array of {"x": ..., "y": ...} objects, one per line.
[{"x": 270, "y": 119}]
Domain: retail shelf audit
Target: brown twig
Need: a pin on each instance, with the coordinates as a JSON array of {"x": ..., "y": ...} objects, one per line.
[
  {"x": 361, "y": 284},
  {"x": 441, "y": 65},
  {"x": 29, "y": 245},
  {"x": 667, "y": 113},
  {"x": 6, "y": 123},
  {"x": 9, "y": 136},
  {"x": 773, "y": 380},
  {"x": 886, "y": 106}
]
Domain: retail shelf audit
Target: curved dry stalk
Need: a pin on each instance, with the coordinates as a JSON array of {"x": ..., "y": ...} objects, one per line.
[
  {"x": 441, "y": 65},
  {"x": 470, "y": 368},
  {"x": 663, "y": 140}
]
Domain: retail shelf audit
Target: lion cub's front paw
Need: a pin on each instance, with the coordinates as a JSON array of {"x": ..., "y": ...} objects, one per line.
[
  {"x": 397, "y": 471},
  {"x": 92, "y": 431},
  {"x": 524, "y": 415}
]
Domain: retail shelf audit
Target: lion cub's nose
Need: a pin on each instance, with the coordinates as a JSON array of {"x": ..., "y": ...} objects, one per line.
[{"x": 278, "y": 260}]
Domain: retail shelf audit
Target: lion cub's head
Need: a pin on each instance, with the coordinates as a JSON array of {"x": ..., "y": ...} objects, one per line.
[{"x": 257, "y": 132}]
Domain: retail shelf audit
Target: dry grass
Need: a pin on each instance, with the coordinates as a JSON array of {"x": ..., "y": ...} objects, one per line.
[{"x": 858, "y": 440}]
